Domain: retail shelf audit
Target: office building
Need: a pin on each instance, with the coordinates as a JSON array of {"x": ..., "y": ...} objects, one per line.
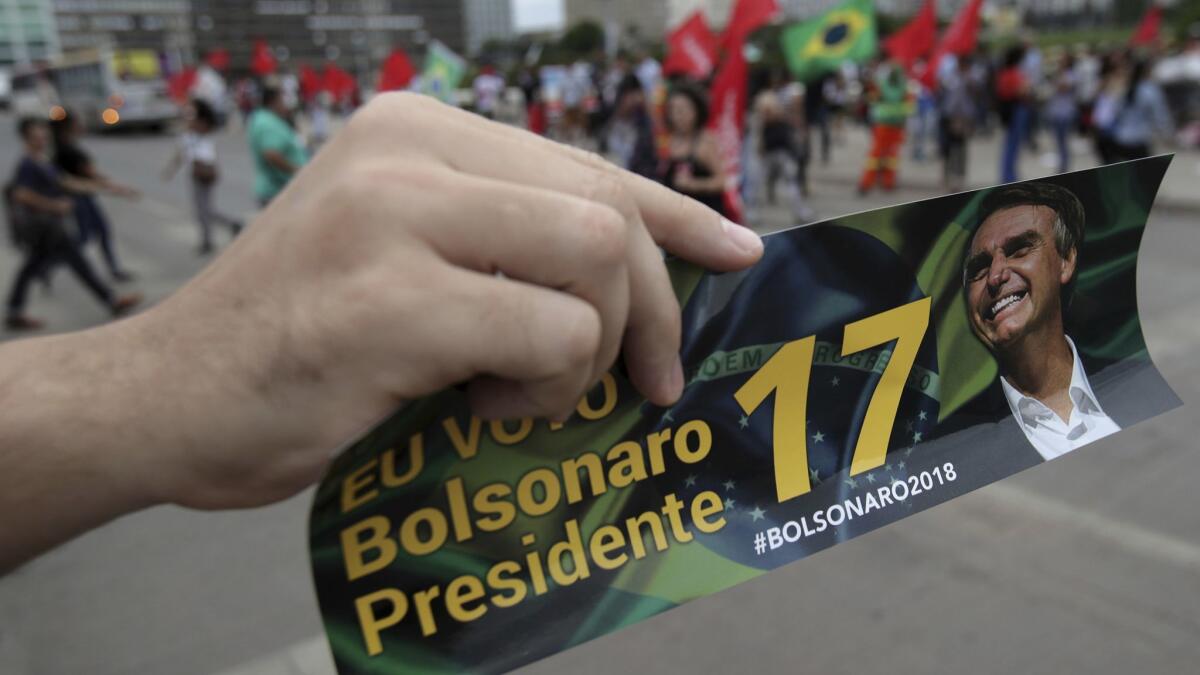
[
  {"x": 355, "y": 34},
  {"x": 487, "y": 20},
  {"x": 27, "y": 32},
  {"x": 625, "y": 21},
  {"x": 162, "y": 26}
]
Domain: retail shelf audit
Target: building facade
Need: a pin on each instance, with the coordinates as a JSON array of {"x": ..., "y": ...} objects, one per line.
[
  {"x": 625, "y": 21},
  {"x": 163, "y": 26},
  {"x": 356, "y": 34},
  {"x": 487, "y": 20},
  {"x": 27, "y": 32}
]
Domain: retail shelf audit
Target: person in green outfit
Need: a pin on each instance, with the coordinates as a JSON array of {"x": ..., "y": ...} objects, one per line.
[
  {"x": 890, "y": 108},
  {"x": 277, "y": 149}
]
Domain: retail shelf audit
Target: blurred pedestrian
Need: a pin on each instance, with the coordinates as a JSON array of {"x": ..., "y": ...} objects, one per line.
[
  {"x": 1143, "y": 114},
  {"x": 277, "y": 149},
  {"x": 488, "y": 87},
  {"x": 39, "y": 202},
  {"x": 627, "y": 138},
  {"x": 1012, "y": 101},
  {"x": 1062, "y": 110},
  {"x": 781, "y": 156},
  {"x": 1032, "y": 70},
  {"x": 693, "y": 166},
  {"x": 924, "y": 121},
  {"x": 818, "y": 113},
  {"x": 72, "y": 160},
  {"x": 958, "y": 115},
  {"x": 320, "y": 121},
  {"x": 198, "y": 152},
  {"x": 890, "y": 108}
]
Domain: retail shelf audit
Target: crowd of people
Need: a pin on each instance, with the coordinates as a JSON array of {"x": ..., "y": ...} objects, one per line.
[
  {"x": 654, "y": 124},
  {"x": 649, "y": 122}
]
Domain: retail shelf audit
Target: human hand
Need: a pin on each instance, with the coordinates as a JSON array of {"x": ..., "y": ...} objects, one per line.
[
  {"x": 64, "y": 206},
  {"x": 424, "y": 247}
]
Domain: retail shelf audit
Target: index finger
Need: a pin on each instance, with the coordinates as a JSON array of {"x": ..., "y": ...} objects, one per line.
[{"x": 679, "y": 224}]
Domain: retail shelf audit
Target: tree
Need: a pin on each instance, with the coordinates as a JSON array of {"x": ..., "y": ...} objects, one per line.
[{"x": 585, "y": 37}]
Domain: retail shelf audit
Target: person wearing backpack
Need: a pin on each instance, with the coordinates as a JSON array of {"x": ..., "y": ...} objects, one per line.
[{"x": 39, "y": 202}]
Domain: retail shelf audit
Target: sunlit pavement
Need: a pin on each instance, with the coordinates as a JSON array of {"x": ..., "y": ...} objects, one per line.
[{"x": 1088, "y": 564}]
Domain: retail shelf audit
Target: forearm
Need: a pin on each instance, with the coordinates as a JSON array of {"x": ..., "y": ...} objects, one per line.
[
  {"x": 68, "y": 444},
  {"x": 710, "y": 184},
  {"x": 35, "y": 201},
  {"x": 79, "y": 185}
]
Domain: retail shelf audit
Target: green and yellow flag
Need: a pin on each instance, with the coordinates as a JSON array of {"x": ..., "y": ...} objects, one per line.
[
  {"x": 845, "y": 33},
  {"x": 444, "y": 70}
]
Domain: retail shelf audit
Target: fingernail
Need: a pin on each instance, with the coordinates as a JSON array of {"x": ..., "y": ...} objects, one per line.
[{"x": 742, "y": 237}]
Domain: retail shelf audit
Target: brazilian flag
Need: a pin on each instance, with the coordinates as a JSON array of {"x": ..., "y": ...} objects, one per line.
[{"x": 845, "y": 33}]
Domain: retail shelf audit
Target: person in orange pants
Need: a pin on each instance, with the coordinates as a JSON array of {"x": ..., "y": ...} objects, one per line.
[
  {"x": 884, "y": 158},
  {"x": 890, "y": 108}
]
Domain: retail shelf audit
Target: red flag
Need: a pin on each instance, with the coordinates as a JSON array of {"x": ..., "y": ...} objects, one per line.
[
  {"x": 310, "y": 82},
  {"x": 180, "y": 85},
  {"x": 691, "y": 49},
  {"x": 397, "y": 71},
  {"x": 337, "y": 82},
  {"x": 962, "y": 35},
  {"x": 1148, "y": 30},
  {"x": 262, "y": 62},
  {"x": 217, "y": 59},
  {"x": 727, "y": 123},
  {"x": 746, "y": 17},
  {"x": 916, "y": 38},
  {"x": 960, "y": 38}
]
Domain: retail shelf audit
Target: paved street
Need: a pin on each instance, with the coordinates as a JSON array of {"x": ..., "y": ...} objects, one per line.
[{"x": 1089, "y": 564}]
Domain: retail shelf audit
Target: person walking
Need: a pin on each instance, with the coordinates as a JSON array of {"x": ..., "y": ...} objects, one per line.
[
  {"x": 958, "y": 115},
  {"x": 277, "y": 149},
  {"x": 72, "y": 160},
  {"x": 627, "y": 138},
  {"x": 1142, "y": 115},
  {"x": 890, "y": 108},
  {"x": 39, "y": 202},
  {"x": 693, "y": 166},
  {"x": 198, "y": 152},
  {"x": 780, "y": 156},
  {"x": 1012, "y": 99},
  {"x": 1062, "y": 110}
]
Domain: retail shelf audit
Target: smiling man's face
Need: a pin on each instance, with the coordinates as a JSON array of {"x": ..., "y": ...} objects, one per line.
[{"x": 1014, "y": 275}]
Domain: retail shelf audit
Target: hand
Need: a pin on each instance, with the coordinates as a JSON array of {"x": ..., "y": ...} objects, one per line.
[
  {"x": 373, "y": 280},
  {"x": 64, "y": 206},
  {"x": 127, "y": 192}
]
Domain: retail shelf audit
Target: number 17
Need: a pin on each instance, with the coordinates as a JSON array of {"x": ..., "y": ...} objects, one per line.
[{"x": 787, "y": 373}]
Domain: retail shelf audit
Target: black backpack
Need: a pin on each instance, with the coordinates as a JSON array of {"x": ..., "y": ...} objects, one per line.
[{"x": 27, "y": 227}]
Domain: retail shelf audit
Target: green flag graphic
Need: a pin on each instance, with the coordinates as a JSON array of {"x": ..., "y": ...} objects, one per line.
[
  {"x": 845, "y": 33},
  {"x": 443, "y": 71}
]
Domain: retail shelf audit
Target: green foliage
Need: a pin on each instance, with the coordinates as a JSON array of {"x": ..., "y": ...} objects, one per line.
[{"x": 582, "y": 39}]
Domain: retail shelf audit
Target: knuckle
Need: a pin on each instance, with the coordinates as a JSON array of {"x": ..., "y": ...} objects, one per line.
[
  {"x": 580, "y": 337},
  {"x": 606, "y": 234},
  {"x": 397, "y": 111}
]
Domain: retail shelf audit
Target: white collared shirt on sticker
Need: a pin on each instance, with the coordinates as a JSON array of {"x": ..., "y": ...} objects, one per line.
[{"x": 1046, "y": 431}]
